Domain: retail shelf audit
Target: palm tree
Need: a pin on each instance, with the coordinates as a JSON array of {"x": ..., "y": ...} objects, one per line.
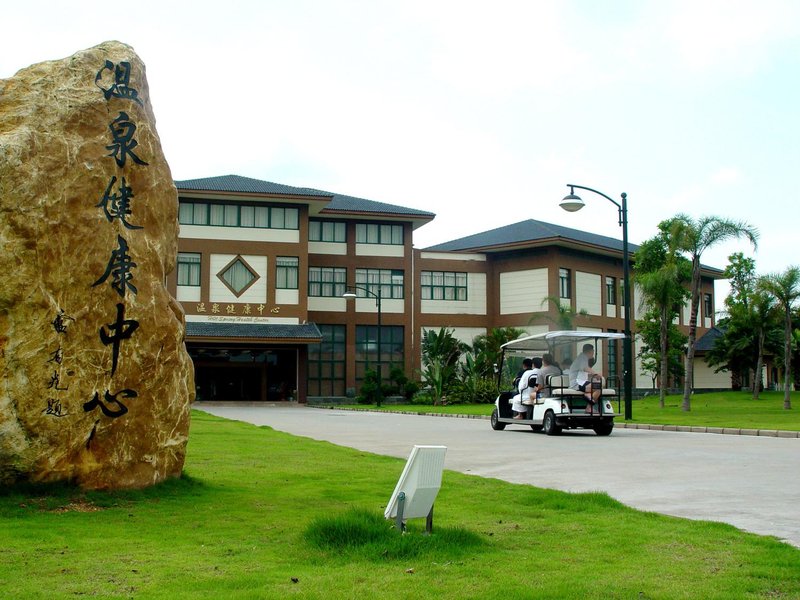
[
  {"x": 565, "y": 315},
  {"x": 762, "y": 311},
  {"x": 694, "y": 238},
  {"x": 440, "y": 353},
  {"x": 786, "y": 289}
]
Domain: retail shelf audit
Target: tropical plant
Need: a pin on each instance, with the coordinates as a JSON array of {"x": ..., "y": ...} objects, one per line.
[
  {"x": 661, "y": 276},
  {"x": 565, "y": 315},
  {"x": 486, "y": 348},
  {"x": 440, "y": 354},
  {"x": 785, "y": 287},
  {"x": 693, "y": 237}
]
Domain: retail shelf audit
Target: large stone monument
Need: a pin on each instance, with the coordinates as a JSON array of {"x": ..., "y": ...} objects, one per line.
[{"x": 95, "y": 380}]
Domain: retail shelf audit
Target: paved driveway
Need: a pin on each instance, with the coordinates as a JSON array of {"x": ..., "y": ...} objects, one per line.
[{"x": 747, "y": 481}]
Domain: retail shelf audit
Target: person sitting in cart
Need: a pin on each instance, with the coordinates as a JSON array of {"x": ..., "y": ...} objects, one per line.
[
  {"x": 581, "y": 374},
  {"x": 531, "y": 367},
  {"x": 549, "y": 367}
]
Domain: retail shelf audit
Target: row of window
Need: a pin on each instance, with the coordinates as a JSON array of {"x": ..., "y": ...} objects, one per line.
[
  {"x": 565, "y": 287},
  {"x": 220, "y": 214},
  {"x": 238, "y": 215},
  {"x": 326, "y": 361},
  {"x": 366, "y": 233},
  {"x": 328, "y": 282}
]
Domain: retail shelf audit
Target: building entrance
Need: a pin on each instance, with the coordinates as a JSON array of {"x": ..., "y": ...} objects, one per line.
[{"x": 245, "y": 374}]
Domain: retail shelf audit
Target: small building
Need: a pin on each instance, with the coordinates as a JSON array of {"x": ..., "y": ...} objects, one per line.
[{"x": 263, "y": 268}]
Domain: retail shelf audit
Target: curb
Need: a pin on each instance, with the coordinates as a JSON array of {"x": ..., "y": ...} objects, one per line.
[{"x": 778, "y": 433}]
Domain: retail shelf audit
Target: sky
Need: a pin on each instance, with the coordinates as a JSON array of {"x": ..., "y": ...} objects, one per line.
[{"x": 480, "y": 112}]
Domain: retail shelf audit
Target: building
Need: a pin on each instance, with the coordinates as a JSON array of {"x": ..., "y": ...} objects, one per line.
[{"x": 263, "y": 268}]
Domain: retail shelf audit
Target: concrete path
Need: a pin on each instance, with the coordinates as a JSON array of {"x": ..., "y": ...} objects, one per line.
[{"x": 747, "y": 481}]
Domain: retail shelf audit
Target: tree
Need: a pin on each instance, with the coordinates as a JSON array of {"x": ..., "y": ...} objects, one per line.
[
  {"x": 785, "y": 287},
  {"x": 693, "y": 238},
  {"x": 661, "y": 275},
  {"x": 486, "y": 348},
  {"x": 565, "y": 315},
  {"x": 440, "y": 354}
]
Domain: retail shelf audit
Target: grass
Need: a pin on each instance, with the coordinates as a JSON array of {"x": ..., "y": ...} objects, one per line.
[
  {"x": 718, "y": 409},
  {"x": 262, "y": 514}
]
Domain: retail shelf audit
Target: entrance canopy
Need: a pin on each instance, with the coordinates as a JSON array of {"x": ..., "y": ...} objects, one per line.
[{"x": 212, "y": 331}]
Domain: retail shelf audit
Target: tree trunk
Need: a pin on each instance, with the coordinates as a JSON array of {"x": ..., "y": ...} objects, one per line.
[
  {"x": 787, "y": 360},
  {"x": 664, "y": 374},
  {"x": 687, "y": 384},
  {"x": 759, "y": 362}
]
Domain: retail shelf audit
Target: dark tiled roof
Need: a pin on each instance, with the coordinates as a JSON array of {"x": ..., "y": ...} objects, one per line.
[
  {"x": 246, "y": 185},
  {"x": 338, "y": 202},
  {"x": 352, "y": 204},
  {"x": 709, "y": 340},
  {"x": 527, "y": 231},
  {"x": 308, "y": 332}
]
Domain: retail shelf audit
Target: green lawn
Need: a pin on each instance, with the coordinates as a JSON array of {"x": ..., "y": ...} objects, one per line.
[
  {"x": 721, "y": 409},
  {"x": 237, "y": 525}
]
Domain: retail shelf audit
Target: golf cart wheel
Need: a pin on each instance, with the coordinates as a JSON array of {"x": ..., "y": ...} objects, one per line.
[
  {"x": 549, "y": 425},
  {"x": 496, "y": 424},
  {"x": 604, "y": 428}
]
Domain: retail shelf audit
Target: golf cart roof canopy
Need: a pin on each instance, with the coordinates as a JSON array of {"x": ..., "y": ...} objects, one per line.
[{"x": 544, "y": 342}]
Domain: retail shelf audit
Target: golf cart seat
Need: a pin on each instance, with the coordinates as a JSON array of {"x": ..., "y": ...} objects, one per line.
[{"x": 560, "y": 386}]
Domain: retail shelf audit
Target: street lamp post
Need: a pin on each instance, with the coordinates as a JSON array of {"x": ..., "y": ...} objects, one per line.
[
  {"x": 351, "y": 294},
  {"x": 572, "y": 203}
]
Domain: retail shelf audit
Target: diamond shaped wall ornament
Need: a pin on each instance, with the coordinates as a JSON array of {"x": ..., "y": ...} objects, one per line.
[{"x": 238, "y": 276}]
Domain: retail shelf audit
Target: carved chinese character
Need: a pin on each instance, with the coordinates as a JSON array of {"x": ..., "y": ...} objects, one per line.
[
  {"x": 215, "y": 308},
  {"x": 57, "y": 356},
  {"x": 121, "y": 329},
  {"x": 201, "y": 307},
  {"x": 122, "y": 131},
  {"x": 230, "y": 309},
  {"x": 122, "y": 78},
  {"x": 109, "y": 398},
  {"x": 60, "y": 322},
  {"x": 261, "y": 308},
  {"x": 118, "y": 206},
  {"x": 54, "y": 381},
  {"x": 119, "y": 265},
  {"x": 54, "y": 408},
  {"x": 246, "y": 309}
]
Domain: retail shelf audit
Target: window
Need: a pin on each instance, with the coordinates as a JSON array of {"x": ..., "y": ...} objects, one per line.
[
  {"x": 286, "y": 269},
  {"x": 236, "y": 215},
  {"x": 373, "y": 233},
  {"x": 613, "y": 360},
  {"x": 327, "y": 282},
  {"x": 386, "y": 283},
  {"x": 238, "y": 276},
  {"x": 326, "y": 362},
  {"x": 188, "y": 269},
  {"x": 367, "y": 355},
  {"x": 708, "y": 306},
  {"x": 443, "y": 285},
  {"x": 564, "y": 283},
  {"x": 327, "y": 231},
  {"x": 611, "y": 290}
]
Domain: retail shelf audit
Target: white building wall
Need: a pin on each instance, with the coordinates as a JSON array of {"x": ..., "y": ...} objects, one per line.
[
  {"x": 219, "y": 292},
  {"x": 474, "y": 305},
  {"x": 188, "y": 293},
  {"x": 330, "y": 248},
  {"x": 237, "y": 234},
  {"x": 392, "y": 250},
  {"x": 388, "y": 305},
  {"x": 523, "y": 291},
  {"x": 588, "y": 293},
  {"x": 287, "y": 297},
  {"x": 327, "y": 304},
  {"x": 704, "y": 376},
  {"x": 453, "y": 256}
]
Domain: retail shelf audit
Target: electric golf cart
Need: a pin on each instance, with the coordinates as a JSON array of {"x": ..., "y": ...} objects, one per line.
[{"x": 558, "y": 407}]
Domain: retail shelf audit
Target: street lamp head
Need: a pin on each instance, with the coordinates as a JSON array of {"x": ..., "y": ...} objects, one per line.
[
  {"x": 571, "y": 203},
  {"x": 349, "y": 295}
]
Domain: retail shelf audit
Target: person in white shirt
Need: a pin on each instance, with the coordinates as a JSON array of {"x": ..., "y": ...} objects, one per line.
[{"x": 581, "y": 373}]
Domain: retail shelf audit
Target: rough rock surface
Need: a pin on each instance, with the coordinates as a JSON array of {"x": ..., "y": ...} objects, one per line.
[{"x": 95, "y": 380}]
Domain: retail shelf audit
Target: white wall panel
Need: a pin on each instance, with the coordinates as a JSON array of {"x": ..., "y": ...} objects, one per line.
[
  {"x": 394, "y": 250},
  {"x": 523, "y": 291},
  {"x": 237, "y": 234},
  {"x": 588, "y": 293}
]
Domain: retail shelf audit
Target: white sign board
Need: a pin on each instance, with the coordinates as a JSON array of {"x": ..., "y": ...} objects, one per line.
[{"x": 420, "y": 481}]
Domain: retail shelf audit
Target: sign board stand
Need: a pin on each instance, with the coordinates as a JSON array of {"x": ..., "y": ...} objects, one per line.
[{"x": 417, "y": 487}]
